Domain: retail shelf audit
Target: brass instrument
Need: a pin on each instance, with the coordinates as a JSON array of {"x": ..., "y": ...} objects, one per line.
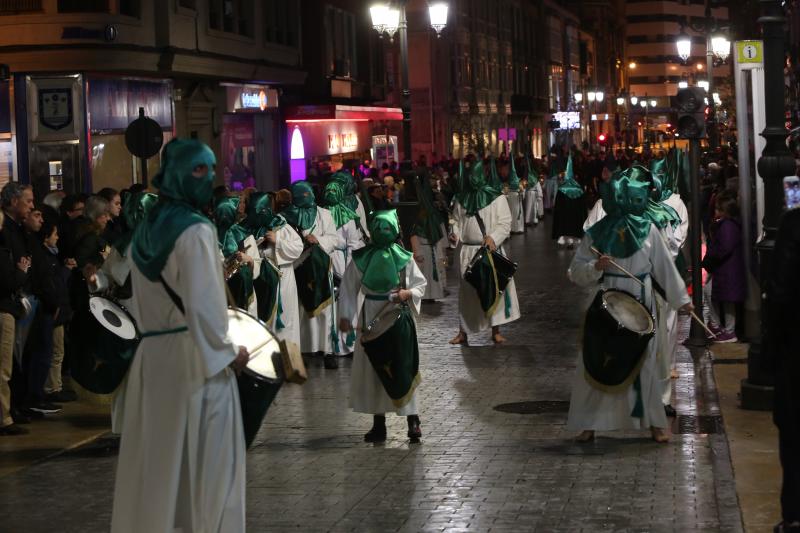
[{"x": 232, "y": 264}]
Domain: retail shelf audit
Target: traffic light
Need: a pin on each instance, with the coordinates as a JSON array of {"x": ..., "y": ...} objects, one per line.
[
  {"x": 602, "y": 139},
  {"x": 691, "y": 112}
]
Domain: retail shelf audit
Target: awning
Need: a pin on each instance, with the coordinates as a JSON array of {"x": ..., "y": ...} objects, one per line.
[{"x": 323, "y": 113}]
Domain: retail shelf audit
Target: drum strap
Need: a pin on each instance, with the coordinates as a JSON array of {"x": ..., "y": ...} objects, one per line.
[{"x": 172, "y": 294}]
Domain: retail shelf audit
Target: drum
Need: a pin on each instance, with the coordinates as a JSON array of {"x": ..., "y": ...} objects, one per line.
[
  {"x": 113, "y": 316},
  {"x": 616, "y": 334},
  {"x": 261, "y": 380},
  {"x": 313, "y": 284},
  {"x": 489, "y": 273},
  {"x": 382, "y": 322}
]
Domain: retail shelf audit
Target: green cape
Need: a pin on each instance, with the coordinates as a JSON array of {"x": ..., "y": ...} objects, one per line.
[
  {"x": 658, "y": 213},
  {"x": 182, "y": 195},
  {"x": 624, "y": 229},
  {"x": 569, "y": 186},
  {"x": 513, "y": 177},
  {"x": 474, "y": 193},
  {"x": 135, "y": 209},
  {"x": 381, "y": 261},
  {"x": 302, "y": 214},
  {"x": 335, "y": 203},
  {"x": 428, "y": 224}
]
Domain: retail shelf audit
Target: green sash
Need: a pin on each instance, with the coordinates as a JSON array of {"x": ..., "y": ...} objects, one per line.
[
  {"x": 313, "y": 281},
  {"x": 395, "y": 358}
]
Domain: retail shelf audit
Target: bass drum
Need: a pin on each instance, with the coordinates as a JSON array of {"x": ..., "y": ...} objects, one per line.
[
  {"x": 616, "y": 334},
  {"x": 260, "y": 382}
]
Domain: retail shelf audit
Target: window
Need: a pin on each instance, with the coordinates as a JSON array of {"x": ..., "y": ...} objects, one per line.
[
  {"x": 340, "y": 43},
  {"x": 231, "y": 16},
  {"x": 282, "y": 22},
  {"x": 83, "y": 6},
  {"x": 17, "y": 6}
]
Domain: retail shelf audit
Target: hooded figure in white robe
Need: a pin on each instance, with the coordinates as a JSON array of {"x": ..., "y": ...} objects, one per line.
[
  {"x": 181, "y": 462},
  {"x": 636, "y": 245},
  {"x": 429, "y": 242}
]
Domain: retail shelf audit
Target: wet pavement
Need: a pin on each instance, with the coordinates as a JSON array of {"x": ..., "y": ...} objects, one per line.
[{"x": 495, "y": 455}]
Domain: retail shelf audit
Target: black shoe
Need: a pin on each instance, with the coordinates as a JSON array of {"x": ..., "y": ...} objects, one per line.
[
  {"x": 13, "y": 429},
  {"x": 378, "y": 431},
  {"x": 46, "y": 408},
  {"x": 330, "y": 362},
  {"x": 414, "y": 431},
  {"x": 61, "y": 396},
  {"x": 670, "y": 411},
  {"x": 31, "y": 414},
  {"x": 20, "y": 417}
]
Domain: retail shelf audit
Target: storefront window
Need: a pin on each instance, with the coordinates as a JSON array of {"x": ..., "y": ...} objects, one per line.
[
  {"x": 6, "y": 162},
  {"x": 238, "y": 151},
  {"x": 114, "y": 166}
]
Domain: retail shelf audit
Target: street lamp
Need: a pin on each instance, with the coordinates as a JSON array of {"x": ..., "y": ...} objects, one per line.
[
  {"x": 578, "y": 97},
  {"x": 653, "y": 103},
  {"x": 721, "y": 47},
  {"x": 599, "y": 96},
  {"x": 620, "y": 100},
  {"x": 683, "y": 84},
  {"x": 590, "y": 96},
  {"x": 684, "y": 44},
  {"x": 634, "y": 100},
  {"x": 390, "y": 17},
  {"x": 704, "y": 84}
]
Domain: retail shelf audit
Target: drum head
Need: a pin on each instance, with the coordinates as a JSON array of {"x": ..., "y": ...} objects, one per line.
[
  {"x": 380, "y": 324},
  {"x": 628, "y": 311},
  {"x": 246, "y": 330},
  {"x": 113, "y": 317}
]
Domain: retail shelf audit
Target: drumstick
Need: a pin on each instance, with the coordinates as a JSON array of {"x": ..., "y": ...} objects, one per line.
[
  {"x": 615, "y": 264},
  {"x": 637, "y": 280}
]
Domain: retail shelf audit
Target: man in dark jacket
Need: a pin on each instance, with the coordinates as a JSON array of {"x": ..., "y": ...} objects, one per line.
[{"x": 783, "y": 305}]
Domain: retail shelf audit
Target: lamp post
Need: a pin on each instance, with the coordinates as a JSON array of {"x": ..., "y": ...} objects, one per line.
[
  {"x": 776, "y": 162},
  {"x": 390, "y": 18},
  {"x": 717, "y": 46}
]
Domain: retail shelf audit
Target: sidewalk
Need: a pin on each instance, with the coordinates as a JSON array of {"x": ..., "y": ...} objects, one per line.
[
  {"x": 79, "y": 423},
  {"x": 753, "y": 441}
]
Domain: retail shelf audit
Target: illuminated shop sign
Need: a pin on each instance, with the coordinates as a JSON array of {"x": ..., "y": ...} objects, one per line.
[
  {"x": 342, "y": 142},
  {"x": 251, "y": 98}
]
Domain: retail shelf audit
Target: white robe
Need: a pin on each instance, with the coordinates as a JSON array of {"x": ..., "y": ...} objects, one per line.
[
  {"x": 596, "y": 213},
  {"x": 515, "y": 206},
  {"x": 287, "y": 249},
  {"x": 316, "y": 333},
  {"x": 534, "y": 204},
  {"x": 497, "y": 218},
  {"x": 182, "y": 456},
  {"x": 362, "y": 216},
  {"x": 350, "y": 240},
  {"x": 592, "y": 409},
  {"x": 434, "y": 259},
  {"x": 367, "y": 394}
]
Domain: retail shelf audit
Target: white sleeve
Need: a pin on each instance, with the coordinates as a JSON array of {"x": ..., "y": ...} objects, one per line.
[
  {"x": 415, "y": 282},
  {"x": 353, "y": 238},
  {"x": 665, "y": 273},
  {"x": 595, "y": 215},
  {"x": 682, "y": 231},
  {"x": 581, "y": 270},
  {"x": 458, "y": 221},
  {"x": 200, "y": 285},
  {"x": 288, "y": 246},
  {"x": 326, "y": 233},
  {"x": 253, "y": 252},
  {"x": 500, "y": 224},
  {"x": 362, "y": 216}
]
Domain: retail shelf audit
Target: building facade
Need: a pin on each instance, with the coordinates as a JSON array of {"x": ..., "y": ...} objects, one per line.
[{"x": 81, "y": 70}]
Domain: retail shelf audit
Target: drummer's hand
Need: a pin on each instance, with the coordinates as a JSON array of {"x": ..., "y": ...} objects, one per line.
[
  {"x": 70, "y": 263},
  {"x": 489, "y": 243},
  {"x": 312, "y": 239},
  {"x": 402, "y": 295},
  {"x": 90, "y": 273},
  {"x": 271, "y": 237},
  {"x": 688, "y": 308},
  {"x": 453, "y": 238},
  {"x": 603, "y": 263},
  {"x": 241, "y": 360},
  {"x": 345, "y": 325},
  {"x": 244, "y": 258}
]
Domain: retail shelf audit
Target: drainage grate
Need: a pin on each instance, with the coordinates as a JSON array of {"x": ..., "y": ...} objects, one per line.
[
  {"x": 697, "y": 425},
  {"x": 533, "y": 408}
]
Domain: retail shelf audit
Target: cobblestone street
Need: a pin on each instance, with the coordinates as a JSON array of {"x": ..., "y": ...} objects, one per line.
[{"x": 482, "y": 465}]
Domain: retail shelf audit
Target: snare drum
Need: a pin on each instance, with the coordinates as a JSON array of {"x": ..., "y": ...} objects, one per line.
[
  {"x": 113, "y": 316},
  {"x": 381, "y": 323},
  {"x": 261, "y": 380}
]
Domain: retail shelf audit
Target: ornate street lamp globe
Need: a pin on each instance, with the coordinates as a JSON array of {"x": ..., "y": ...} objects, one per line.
[
  {"x": 438, "y": 14},
  {"x": 634, "y": 100},
  {"x": 599, "y": 95},
  {"x": 392, "y": 21},
  {"x": 590, "y": 95},
  {"x": 578, "y": 97},
  {"x": 684, "y": 45},
  {"x": 653, "y": 103},
  {"x": 620, "y": 100},
  {"x": 721, "y": 47},
  {"x": 379, "y": 14}
]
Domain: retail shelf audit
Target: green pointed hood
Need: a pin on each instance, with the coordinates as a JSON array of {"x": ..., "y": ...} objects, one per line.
[
  {"x": 623, "y": 230},
  {"x": 302, "y": 214},
  {"x": 569, "y": 186},
  {"x": 225, "y": 214},
  {"x": 474, "y": 192},
  {"x": 335, "y": 203},
  {"x": 428, "y": 223},
  {"x": 348, "y": 184},
  {"x": 185, "y": 184},
  {"x": 658, "y": 213},
  {"x": 513, "y": 177},
  {"x": 533, "y": 176},
  {"x": 381, "y": 261}
]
